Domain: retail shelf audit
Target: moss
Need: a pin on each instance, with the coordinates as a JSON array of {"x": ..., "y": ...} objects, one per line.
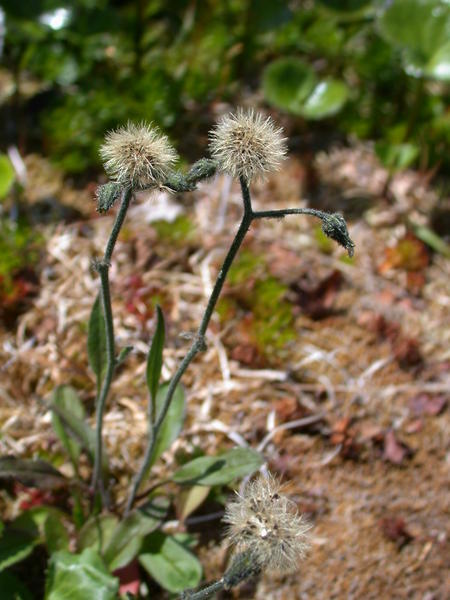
[
  {"x": 178, "y": 232},
  {"x": 246, "y": 265}
]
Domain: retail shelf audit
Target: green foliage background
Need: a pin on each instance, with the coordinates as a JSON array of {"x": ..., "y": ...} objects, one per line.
[{"x": 377, "y": 69}]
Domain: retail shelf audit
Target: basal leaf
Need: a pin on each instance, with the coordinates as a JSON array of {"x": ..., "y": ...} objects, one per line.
[
  {"x": 170, "y": 563},
  {"x": 80, "y": 577},
  {"x": 45, "y": 524},
  {"x": 97, "y": 341},
  {"x": 66, "y": 397},
  {"x": 126, "y": 539},
  {"x": 31, "y": 473},
  {"x": 97, "y": 532},
  {"x": 218, "y": 470},
  {"x": 173, "y": 422},
  {"x": 154, "y": 359}
]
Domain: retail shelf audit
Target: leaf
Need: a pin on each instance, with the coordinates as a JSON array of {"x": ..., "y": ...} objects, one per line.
[
  {"x": 431, "y": 239},
  {"x": 123, "y": 354},
  {"x": 326, "y": 99},
  {"x": 107, "y": 195},
  {"x": 189, "y": 500},
  {"x": 421, "y": 30},
  {"x": 31, "y": 473},
  {"x": 15, "y": 545},
  {"x": 173, "y": 421},
  {"x": 81, "y": 432},
  {"x": 45, "y": 523},
  {"x": 218, "y": 470},
  {"x": 97, "y": 532},
  {"x": 12, "y": 588},
  {"x": 169, "y": 563},
  {"x": 66, "y": 397},
  {"x": 396, "y": 156},
  {"x": 126, "y": 539},
  {"x": 438, "y": 66},
  {"x": 287, "y": 82},
  {"x": 7, "y": 175},
  {"x": 154, "y": 358},
  {"x": 79, "y": 577},
  {"x": 97, "y": 341}
]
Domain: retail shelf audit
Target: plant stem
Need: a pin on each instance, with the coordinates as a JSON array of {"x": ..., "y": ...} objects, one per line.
[
  {"x": 103, "y": 268},
  {"x": 197, "y": 345},
  {"x": 199, "y": 341},
  {"x": 206, "y": 592}
]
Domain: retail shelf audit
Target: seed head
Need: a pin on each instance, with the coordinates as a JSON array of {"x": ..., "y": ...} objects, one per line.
[
  {"x": 247, "y": 145},
  {"x": 137, "y": 156},
  {"x": 266, "y": 524}
]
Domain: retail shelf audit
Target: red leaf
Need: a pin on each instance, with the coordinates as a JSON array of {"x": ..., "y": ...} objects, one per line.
[
  {"x": 395, "y": 451},
  {"x": 129, "y": 578}
]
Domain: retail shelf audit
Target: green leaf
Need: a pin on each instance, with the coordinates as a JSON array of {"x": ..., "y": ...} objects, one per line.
[
  {"x": 127, "y": 537},
  {"x": 107, "y": 195},
  {"x": 218, "y": 470},
  {"x": 7, "y": 175},
  {"x": 12, "y": 588},
  {"x": 80, "y": 577},
  {"x": 15, "y": 545},
  {"x": 396, "y": 156},
  {"x": 97, "y": 341},
  {"x": 429, "y": 237},
  {"x": 327, "y": 99},
  {"x": 287, "y": 82},
  {"x": 123, "y": 354},
  {"x": 189, "y": 500},
  {"x": 66, "y": 397},
  {"x": 438, "y": 66},
  {"x": 420, "y": 29},
  {"x": 97, "y": 532},
  {"x": 45, "y": 524},
  {"x": 154, "y": 358},
  {"x": 170, "y": 563},
  {"x": 173, "y": 422},
  {"x": 81, "y": 432},
  {"x": 31, "y": 473}
]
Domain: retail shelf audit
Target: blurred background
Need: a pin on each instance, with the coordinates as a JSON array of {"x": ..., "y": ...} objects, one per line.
[{"x": 358, "y": 347}]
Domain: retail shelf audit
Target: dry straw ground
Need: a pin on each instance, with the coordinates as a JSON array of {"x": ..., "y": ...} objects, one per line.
[{"x": 352, "y": 411}]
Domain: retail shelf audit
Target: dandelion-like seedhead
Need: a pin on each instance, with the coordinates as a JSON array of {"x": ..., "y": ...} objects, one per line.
[
  {"x": 266, "y": 524},
  {"x": 137, "y": 156},
  {"x": 247, "y": 145}
]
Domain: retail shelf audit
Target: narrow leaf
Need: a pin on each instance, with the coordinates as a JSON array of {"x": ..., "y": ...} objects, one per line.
[
  {"x": 218, "y": 470},
  {"x": 127, "y": 537},
  {"x": 15, "y": 545},
  {"x": 31, "y": 473},
  {"x": 154, "y": 359},
  {"x": 170, "y": 563},
  {"x": 97, "y": 341},
  {"x": 173, "y": 422},
  {"x": 66, "y": 397},
  {"x": 80, "y": 577},
  {"x": 81, "y": 432},
  {"x": 123, "y": 354}
]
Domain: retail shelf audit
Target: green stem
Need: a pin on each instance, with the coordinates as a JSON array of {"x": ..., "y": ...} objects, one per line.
[
  {"x": 103, "y": 268},
  {"x": 198, "y": 344},
  {"x": 206, "y": 592},
  {"x": 199, "y": 341}
]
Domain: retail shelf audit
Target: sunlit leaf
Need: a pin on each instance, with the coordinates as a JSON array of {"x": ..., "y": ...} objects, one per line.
[
  {"x": 170, "y": 563},
  {"x": 326, "y": 99},
  {"x": 217, "y": 470},
  {"x": 6, "y": 175},
  {"x": 438, "y": 66},
  {"x": 189, "y": 500},
  {"x": 79, "y": 577},
  {"x": 97, "y": 532}
]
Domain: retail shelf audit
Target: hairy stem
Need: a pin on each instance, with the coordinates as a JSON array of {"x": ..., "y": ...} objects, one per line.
[
  {"x": 197, "y": 345},
  {"x": 206, "y": 592},
  {"x": 103, "y": 268}
]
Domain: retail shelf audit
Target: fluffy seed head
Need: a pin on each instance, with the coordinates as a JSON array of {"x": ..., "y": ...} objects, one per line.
[
  {"x": 266, "y": 523},
  {"x": 137, "y": 156},
  {"x": 247, "y": 145}
]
